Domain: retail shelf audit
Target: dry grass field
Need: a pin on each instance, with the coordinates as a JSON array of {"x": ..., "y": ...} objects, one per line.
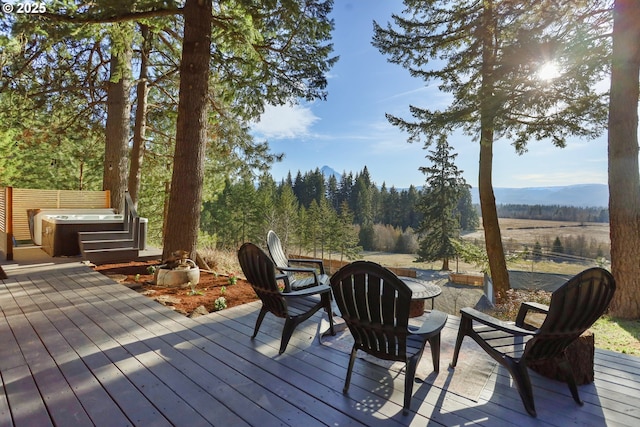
[
  {"x": 515, "y": 233},
  {"x": 528, "y": 231}
]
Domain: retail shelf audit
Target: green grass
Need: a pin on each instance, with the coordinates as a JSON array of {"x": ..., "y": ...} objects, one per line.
[
  {"x": 610, "y": 333},
  {"x": 618, "y": 335}
]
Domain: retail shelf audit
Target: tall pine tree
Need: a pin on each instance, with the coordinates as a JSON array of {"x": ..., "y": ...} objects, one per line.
[
  {"x": 486, "y": 55},
  {"x": 440, "y": 225}
]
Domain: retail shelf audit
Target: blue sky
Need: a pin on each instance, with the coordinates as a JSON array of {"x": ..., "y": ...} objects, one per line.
[{"x": 349, "y": 130}]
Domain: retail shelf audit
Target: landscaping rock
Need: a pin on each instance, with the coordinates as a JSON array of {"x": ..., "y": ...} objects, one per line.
[
  {"x": 167, "y": 300},
  {"x": 199, "y": 311}
]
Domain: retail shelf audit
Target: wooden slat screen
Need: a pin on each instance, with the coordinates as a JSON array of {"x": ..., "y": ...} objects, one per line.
[
  {"x": 3, "y": 209},
  {"x": 24, "y": 199}
]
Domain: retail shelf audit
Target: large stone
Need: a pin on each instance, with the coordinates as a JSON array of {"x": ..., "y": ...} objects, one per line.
[{"x": 178, "y": 277}]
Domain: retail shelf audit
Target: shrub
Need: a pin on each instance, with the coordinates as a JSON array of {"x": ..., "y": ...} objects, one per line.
[
  {"x": 508, "y": 310},
  {"x": 220, "y": 303}
]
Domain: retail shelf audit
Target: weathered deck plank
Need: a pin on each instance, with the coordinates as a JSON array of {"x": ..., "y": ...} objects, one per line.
[{"x": 78, "y": 349}]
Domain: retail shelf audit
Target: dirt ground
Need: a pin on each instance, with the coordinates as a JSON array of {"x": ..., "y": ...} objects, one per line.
[{"x": 211, "y": 286}]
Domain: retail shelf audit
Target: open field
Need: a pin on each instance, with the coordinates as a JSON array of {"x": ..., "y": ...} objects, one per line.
[
  {"x": 528, "y": 231},
  {"x": 515, "y": 232}
]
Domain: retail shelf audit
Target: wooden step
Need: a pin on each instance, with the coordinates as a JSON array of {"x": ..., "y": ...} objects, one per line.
[
  {"x": 87, "y": 245},
  {"x": 86, "y": 236},
  {"x": 103, "y": 256}
]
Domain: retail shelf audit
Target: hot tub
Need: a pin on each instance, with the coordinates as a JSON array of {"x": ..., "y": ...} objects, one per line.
[
  {"x": 59, "y": 235},
  {"x": 36, "y": 216}
]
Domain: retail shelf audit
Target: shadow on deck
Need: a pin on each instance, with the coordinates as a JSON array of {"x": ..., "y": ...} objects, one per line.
[{"x": 79, "y": 349}]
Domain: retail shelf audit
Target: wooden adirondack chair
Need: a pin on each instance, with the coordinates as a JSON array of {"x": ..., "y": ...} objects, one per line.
[
  {"x": 305, "y": 277},
  {"x": 294, "y": 307},
  {"x": 374, "y": 304},
  {"x": 574, "y": 307}
]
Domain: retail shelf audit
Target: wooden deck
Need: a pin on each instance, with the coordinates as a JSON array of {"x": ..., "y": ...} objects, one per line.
[{"x": 77, "y": 349}]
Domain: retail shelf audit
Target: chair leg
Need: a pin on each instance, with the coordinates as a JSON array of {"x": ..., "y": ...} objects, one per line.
[
  {"x": 327, "y": 300},
  {"x": 565, "y": 368},
  {"x": 410, "y": 374},
  {"x": 434, "y": 343},
  {"x": 465, "y": 326},
  {"x": 520, "y": 376},
  {"x": 289, "y": 326},
  {"x": 352, "y": 360},
  {"x": 263, "y": 312}
]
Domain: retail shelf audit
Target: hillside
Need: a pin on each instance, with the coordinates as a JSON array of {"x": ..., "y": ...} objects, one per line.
[{"x": 580, "y": 195}]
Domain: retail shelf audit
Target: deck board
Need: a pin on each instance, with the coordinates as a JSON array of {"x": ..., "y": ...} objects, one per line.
[{"x": 79, "y": 349}]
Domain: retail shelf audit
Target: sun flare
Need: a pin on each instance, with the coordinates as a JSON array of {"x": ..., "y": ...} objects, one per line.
[{"x": 548, "y": 71}]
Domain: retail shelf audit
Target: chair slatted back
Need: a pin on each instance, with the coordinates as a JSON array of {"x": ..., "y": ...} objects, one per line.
[
  {"x": 374, "y": 304},
  {"x": 260, "y": 272},
  {"x": 574, "y": 307},
  {"x": 275, "y": 250}
]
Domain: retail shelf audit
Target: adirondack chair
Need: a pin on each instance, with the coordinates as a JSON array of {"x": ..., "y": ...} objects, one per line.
[
  {"x": 374, "y": 304},
  {"x": 294, "y": 307},
  {"x": 305, "y": 277},
  {"x": 574, "y": 307}
]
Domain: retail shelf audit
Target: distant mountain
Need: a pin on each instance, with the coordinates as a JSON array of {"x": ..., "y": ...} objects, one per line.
[
  {"x": 581, "y": 195},
  {"x": 328, "y": 171}
]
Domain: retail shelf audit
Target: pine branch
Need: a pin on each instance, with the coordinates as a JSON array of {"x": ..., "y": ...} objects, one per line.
[{"x": 123, "y": 17}]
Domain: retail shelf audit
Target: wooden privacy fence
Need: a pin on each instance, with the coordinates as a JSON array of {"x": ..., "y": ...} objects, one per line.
[
  {"x": 466, "y": 279},
  {"x": 333, "y": 265},
  {"x": 14, "y": 203}
]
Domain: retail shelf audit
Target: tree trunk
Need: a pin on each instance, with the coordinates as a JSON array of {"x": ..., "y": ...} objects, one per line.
[
  {"x": 492, "y": 237},
  {"x": 624, "y": 176},
  {"x": 140, "y": 128},
  {"x": 183, "y": 216},
  {"x": 118, "y": 115}
]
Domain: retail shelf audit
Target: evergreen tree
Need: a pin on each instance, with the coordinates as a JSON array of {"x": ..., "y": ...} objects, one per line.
[
  {"x": 346, "y": 234},
  {"x": 313, "y": 227},
  {"x": 486, "y": 55},
  {"x": 557, "y": 246},
  {"x": 361, "y": 196},
  {"x": 467, "y": 214},
  {"x": 537, "y": 251},
  {"x": 332, "y": 193},
  {"x": 411, "y": 214},
  {"x": 345, "y": 189},
  {"x": 287, "y": 209},
  {"x": 382, "y": 214},
  {"x": 440, "y": 226},
  {"x": 265, "y": 209}
]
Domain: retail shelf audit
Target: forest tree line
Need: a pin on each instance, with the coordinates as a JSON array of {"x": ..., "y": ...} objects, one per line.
[
  {"x": 554, "y": 213},
  {"x": 316, "y": 214}
]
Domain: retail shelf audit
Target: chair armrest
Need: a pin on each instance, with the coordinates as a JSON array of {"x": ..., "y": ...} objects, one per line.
[
  {"x": 320, "y": 289},
  {"x": 485, "y": 319},
  {"x": 525, "y": 308},
  {"x": 285, "y": 279},
  {"x": 431, "y": 325},
  {"x": 301, "y": 270},
  {"x": 309, "y": 261}
]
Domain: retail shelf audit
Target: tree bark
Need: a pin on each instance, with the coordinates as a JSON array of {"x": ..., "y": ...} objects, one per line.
[
  {"x": 140, "y": 127},
  {"x": 624, "y": 176},
  {"x": 492, "y": 236},
  {"x": 493, "y": 239},
  {"x": 183, "y": 216},
  {"x": 118, "y": 114}
]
